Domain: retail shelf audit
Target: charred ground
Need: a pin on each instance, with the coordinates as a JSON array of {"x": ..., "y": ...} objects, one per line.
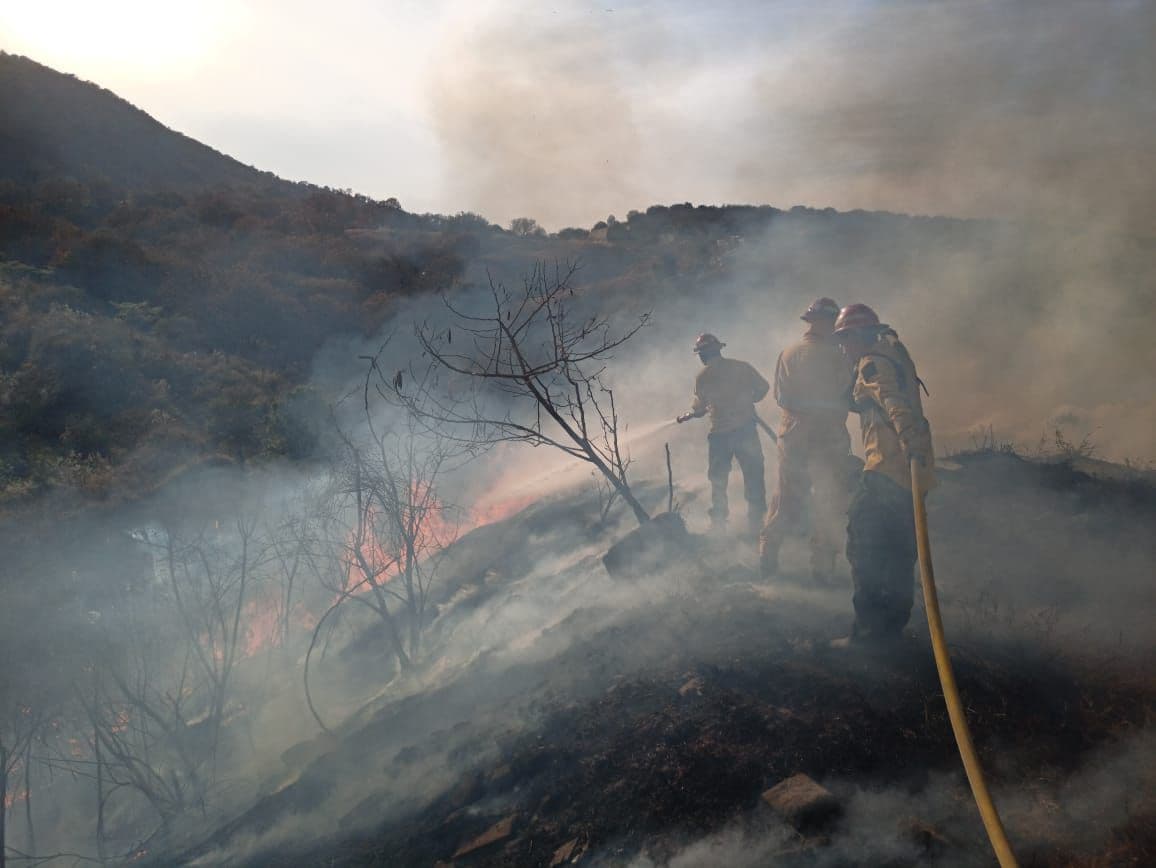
[{"x": 642, "y": 729}]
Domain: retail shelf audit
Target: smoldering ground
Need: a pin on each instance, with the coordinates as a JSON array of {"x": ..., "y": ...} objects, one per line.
[
  {"x": 925, "y": 824},
  {"x": 543, "y": 674}
]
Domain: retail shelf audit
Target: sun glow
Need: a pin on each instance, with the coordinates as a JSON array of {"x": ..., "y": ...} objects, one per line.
[{"x": 142, "y": 35}]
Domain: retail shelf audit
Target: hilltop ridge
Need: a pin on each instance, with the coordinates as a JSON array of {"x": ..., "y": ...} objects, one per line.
[{"x": 57, "y": 127}]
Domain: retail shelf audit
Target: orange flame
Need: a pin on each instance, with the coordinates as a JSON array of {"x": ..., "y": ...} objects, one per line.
[
  {"x": 499, "y": 510},
  {"x": 263, "y": 616},
  {"x": 371, "y": 564}
]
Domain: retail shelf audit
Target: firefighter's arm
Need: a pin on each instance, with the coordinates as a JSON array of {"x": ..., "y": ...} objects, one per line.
[
  {"x": 878, "y": 377},
  {"x": 698, "y": 408}
]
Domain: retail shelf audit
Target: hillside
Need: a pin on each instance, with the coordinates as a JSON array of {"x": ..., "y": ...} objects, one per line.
[
  {"x": 58, "y": 128},
  {"x": 161, "y": 303},
  {"x": 567, "y": 719}
]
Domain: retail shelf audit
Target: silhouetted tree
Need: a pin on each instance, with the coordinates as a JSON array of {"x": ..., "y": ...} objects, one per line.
[
  {"x": 537, "y": 375},
  {"x": 526, "y": 226}
]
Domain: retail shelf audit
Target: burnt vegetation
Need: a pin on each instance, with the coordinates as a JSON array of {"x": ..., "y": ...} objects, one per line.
[{"x": 650, "y": 728}]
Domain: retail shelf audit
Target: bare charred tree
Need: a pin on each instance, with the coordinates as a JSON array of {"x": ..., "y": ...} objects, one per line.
[
  {"x": 139, "y": 743},
  {"x": 288, "y": 546},
  {"x": 17, "y": 732},
  {"x": 535, "y": 375},
  {"x": 378, "y": 535},
  {"x": 211, "y": 573},
  {"x": 156, "y": 705}
]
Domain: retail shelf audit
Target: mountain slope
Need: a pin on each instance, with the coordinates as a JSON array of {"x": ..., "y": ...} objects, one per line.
[{"x": 57, "y": 126}]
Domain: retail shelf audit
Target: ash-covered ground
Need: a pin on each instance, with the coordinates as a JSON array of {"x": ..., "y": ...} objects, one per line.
[{"x": 561, "y": 717}]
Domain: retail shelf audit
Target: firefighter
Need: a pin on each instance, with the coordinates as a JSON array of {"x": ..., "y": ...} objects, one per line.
[
  {"x": 812, "y": 382},
  {"x": 729, "y": 389},
  {"x": 881, "y": 522}
]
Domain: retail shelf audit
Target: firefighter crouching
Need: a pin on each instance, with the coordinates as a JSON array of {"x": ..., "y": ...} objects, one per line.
[
  {"x": 812, "y": 381},
  {"x": 729, "y": 389},
  {"x": 881, "y": 523}
]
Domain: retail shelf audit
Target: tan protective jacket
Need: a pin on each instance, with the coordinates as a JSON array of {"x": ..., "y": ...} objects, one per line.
[
  {"x": 886, "y": 396},
  {"x": 812, "y": 382},
  {"x": 729, "y": 390}
]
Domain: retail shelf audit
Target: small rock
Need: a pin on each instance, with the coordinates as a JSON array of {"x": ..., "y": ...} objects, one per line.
[
  {"x": 923, "y": 835},
  {"x": 499, "y": 774},
  {"x": 802, "y": 802},
  {"x": 300, "y": 755},
  {"x": 497, "y": 832},
  {"x": 563, "y": 853},
  {"x": 694, "y": 686}
]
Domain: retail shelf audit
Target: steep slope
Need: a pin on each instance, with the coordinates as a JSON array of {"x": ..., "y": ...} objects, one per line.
[
  {"x": 594, "y": 723},
  {"x": 160, "y": 302},
  {"x": 57, "y": 126}
]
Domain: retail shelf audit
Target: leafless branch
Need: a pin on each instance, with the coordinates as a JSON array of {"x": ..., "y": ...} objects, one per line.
[{"x": 534, "y": 375}]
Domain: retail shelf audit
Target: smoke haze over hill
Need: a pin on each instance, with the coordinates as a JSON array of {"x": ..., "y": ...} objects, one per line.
[
  {"x": 572, "y": 111},
  {"x": 1044, "y": 110}
]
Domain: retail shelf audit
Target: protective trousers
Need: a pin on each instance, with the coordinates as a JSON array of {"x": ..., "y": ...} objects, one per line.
[
  {"x": 812, "y": 489},
  {"x": 722, "y": 448},
  {"x": 882, "y": 552}
]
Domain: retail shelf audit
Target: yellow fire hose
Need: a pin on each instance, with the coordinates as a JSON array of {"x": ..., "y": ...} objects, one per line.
[{"x": 987, "y": 809}]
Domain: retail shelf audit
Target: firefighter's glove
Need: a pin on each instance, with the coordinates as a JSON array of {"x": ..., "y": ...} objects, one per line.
[{"x": 915, "y": 447}]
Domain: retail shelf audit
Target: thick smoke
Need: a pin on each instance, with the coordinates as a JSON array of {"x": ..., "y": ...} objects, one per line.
[
  {"x": 535, "y": 123},
  {"x": 979, "y": 109},
  {"x": 982, "y": 109}
]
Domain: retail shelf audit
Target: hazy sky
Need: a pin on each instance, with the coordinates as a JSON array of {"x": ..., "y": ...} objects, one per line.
[{"x": 571, "y": 111}]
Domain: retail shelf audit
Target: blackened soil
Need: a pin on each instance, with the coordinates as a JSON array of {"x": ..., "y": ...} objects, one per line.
[{"x": 674, "y": 721}]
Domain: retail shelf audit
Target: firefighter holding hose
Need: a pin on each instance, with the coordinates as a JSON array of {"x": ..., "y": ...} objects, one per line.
[
  {"x": 887, "y": 528},
  {"x": 881, "y": 543},
  {"x": 728, "y": 389}
]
